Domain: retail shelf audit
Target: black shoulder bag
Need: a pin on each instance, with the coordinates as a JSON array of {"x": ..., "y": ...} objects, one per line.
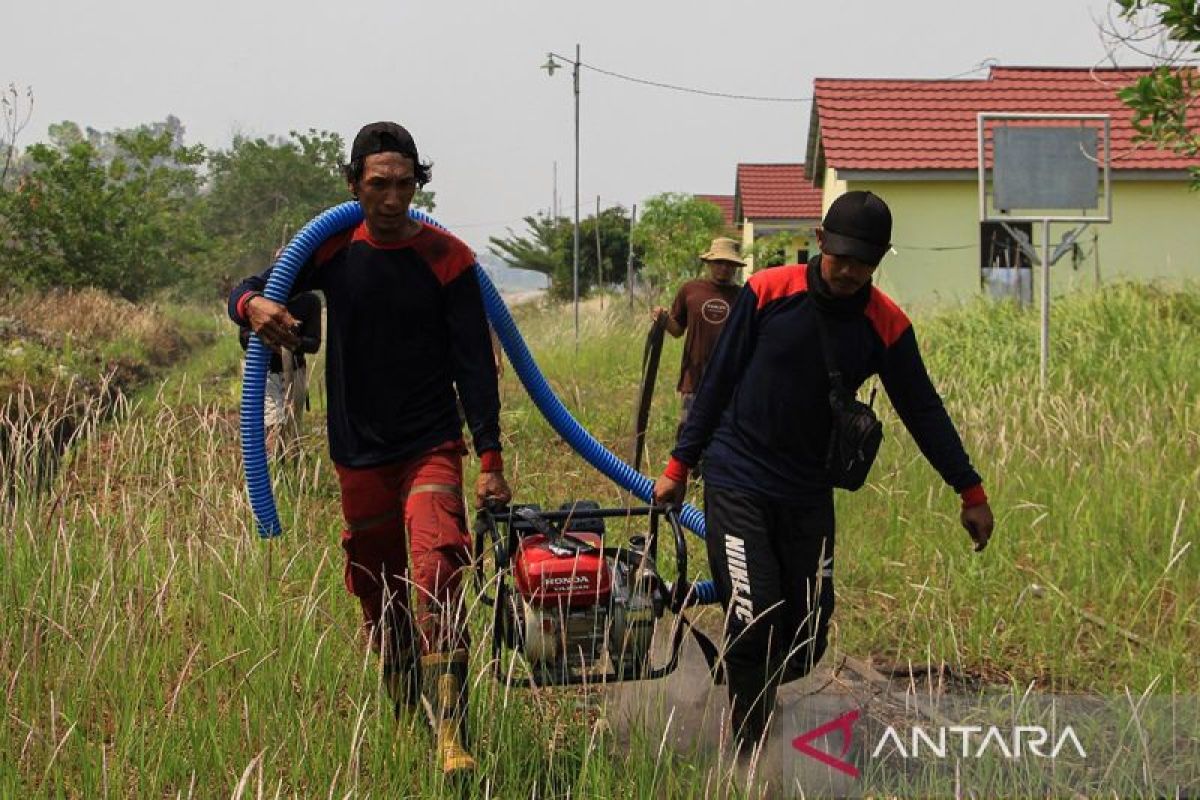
[{"x": 856, "y": 432}]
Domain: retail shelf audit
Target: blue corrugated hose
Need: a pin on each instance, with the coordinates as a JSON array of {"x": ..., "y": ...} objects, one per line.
[{"x": 258, "y": 356}]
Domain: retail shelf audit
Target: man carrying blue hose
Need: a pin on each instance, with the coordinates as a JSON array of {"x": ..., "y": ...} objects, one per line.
[{"x": 407, "y": 334}]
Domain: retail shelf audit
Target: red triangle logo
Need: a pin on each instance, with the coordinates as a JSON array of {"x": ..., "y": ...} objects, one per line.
[{"x": 845, "y": 724}]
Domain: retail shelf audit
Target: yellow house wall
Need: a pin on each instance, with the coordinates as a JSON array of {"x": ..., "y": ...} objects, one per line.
[
  {"x": 747, "y": 245},
  {"x": 799, "y": 241},
  {"x": 1154, "y": 236},
  {"x": 833, "y": 186},
  {"x": 803, "y": 241}
]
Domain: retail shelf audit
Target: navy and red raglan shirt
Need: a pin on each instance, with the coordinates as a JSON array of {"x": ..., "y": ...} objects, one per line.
[
  {"x": 761, "y": 416},
  {"x": 406, "y": 327}
]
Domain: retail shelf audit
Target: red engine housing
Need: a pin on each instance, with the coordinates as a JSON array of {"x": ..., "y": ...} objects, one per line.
[{"x": 546, "y": 577}]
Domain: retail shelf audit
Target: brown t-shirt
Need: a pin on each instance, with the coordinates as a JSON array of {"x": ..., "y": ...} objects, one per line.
[{"x": 701, "y": 306}]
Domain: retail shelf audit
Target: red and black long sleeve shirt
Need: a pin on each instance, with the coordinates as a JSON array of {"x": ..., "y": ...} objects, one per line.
[
  {"x": 406, "y": 328},
  {"x": 762, "y": 414}
]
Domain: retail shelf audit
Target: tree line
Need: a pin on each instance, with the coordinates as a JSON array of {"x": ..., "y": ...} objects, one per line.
[{"x": 139, "y": 211}]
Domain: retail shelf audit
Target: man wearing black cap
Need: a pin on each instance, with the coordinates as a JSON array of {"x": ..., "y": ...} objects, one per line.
[
  {"x": 763, "y": 418},
  {"x": 406, "y": 334}
]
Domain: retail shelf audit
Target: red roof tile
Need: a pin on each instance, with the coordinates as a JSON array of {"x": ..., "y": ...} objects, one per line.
[
  {"x": 920, "y": 124},
  {"x": 721, "y": 201},
  {"x": 777, "y": 191}
]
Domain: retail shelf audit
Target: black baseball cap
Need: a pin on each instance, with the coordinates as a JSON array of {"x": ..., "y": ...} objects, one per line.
[
  {"x": 858, "y": 224},
  {"x": 383, "y": 137}
]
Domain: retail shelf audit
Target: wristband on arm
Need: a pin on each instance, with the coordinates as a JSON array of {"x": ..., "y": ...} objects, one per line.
[
  {"x": 244, "y": 301},
  {"x": 491, "y": 461},
  {"x": 973, "y": 496},
  {"x": 676, "y": 470}
]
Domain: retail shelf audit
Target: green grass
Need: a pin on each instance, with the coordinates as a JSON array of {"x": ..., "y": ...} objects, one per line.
[{"x": 151, "y": 645}]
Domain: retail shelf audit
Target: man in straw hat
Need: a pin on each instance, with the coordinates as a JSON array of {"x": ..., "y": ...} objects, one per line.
[
  {"x": 798, "y": 337},
  {"x": 701, "y": 308}
]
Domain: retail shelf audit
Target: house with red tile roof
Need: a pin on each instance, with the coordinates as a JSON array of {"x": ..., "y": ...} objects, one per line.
[
  {"x": 770, "y": 199},
  {"x": 915, "y": 143}
]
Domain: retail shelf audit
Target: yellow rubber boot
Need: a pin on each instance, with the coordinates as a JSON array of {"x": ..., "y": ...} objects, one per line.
[{"x": 444, "y": 682}]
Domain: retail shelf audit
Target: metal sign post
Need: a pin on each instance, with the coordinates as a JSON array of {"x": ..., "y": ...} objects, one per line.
[
  {"x": 1044, "y": 362},
  {"x": 1042, "y": 164}
]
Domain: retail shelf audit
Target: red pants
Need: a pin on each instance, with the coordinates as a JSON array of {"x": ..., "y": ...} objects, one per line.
[{"x": 421, "y": 497}]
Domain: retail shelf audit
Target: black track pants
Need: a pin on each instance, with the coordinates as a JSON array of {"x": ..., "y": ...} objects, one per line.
[{"x": 772, "y": 563}]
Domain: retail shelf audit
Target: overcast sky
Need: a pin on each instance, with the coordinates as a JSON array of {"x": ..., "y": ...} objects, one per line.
[{"x": 465, "y": 78}]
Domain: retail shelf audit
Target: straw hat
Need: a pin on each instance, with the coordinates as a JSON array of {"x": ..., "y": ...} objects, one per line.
[{"x": 723, "y": 249}]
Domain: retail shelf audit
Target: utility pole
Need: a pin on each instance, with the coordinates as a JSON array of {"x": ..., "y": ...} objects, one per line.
[
  {"x": 576, "y": 265},
  {"x": 551, "y": 65}
]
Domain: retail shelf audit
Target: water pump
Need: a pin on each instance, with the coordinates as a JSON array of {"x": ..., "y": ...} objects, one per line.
[{"x": 576, "y": 608}]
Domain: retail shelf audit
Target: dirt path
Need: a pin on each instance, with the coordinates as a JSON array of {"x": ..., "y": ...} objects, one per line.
[{"x": 688, "y": 714}]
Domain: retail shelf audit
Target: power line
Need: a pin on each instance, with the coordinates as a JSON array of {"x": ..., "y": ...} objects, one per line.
[
  {"x": 690, "y": 90},
  {"x": 986, "y": 64},
  {"x": 686, "y": 89},
  {"x": 983, "y": 65}
]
